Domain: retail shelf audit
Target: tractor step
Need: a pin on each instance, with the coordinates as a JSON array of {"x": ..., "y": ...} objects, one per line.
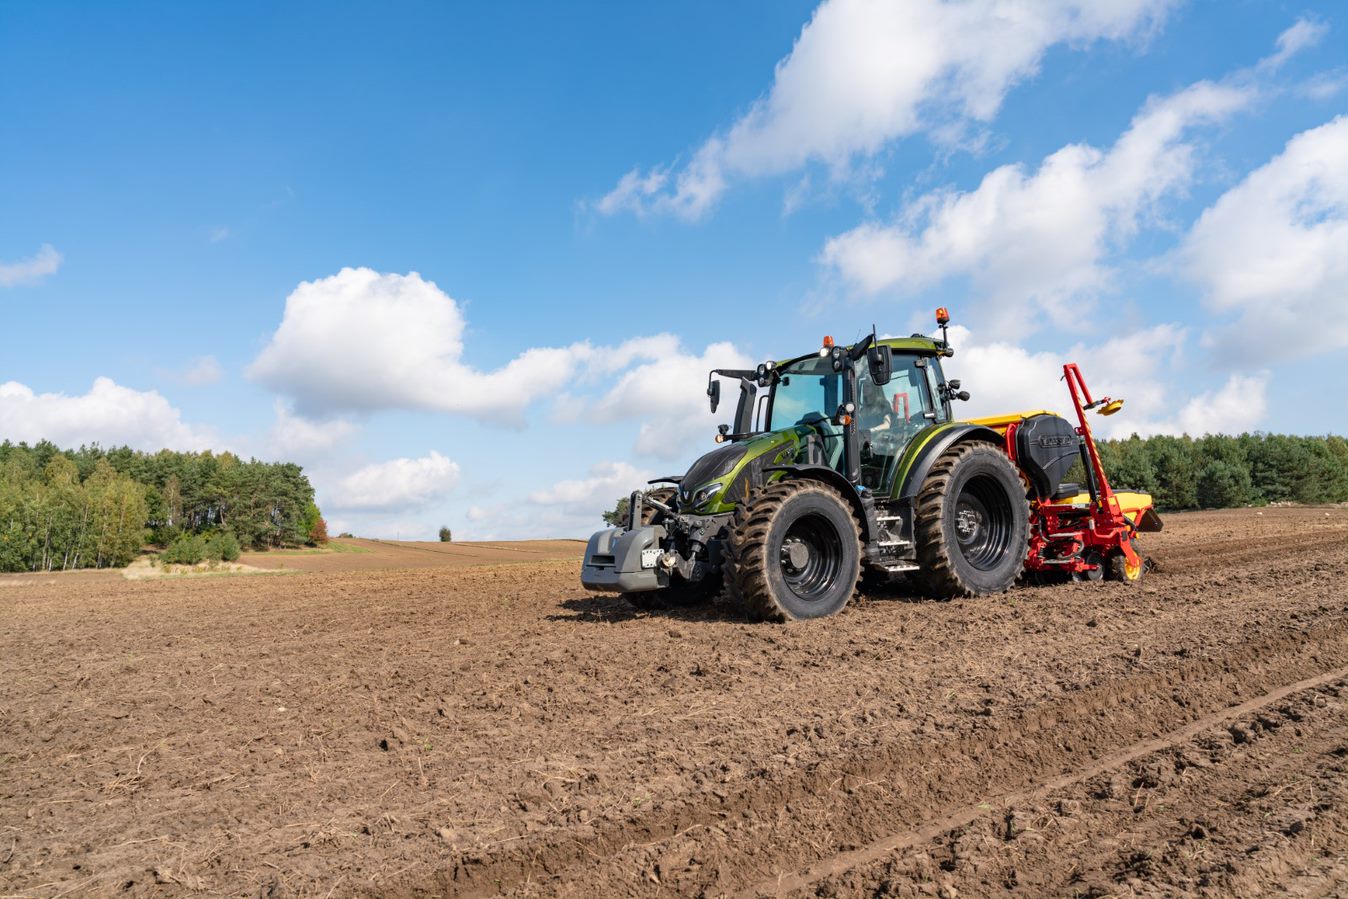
[{"x": 900, "y": 567}]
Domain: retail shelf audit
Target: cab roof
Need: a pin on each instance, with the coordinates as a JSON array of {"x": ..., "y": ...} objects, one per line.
[{"x": 927, "y": 346}]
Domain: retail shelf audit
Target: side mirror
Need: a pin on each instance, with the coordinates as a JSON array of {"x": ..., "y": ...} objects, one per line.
[
  {"x": 714, "y": 392},
  {"x": 880, "y": 359}
]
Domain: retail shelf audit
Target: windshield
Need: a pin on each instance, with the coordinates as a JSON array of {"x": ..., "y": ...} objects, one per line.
[{"x": 809, "y": 392}]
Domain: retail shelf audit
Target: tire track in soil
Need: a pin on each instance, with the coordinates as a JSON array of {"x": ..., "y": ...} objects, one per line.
[
  {"x": 1004, "y": 806},
  {"x": 837, "y": 803}
]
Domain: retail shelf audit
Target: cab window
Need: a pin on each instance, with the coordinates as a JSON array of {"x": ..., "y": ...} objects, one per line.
[{"x": 889, "y": 417}]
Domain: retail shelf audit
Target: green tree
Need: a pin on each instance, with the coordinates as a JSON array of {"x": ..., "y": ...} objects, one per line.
[
  {"x": 92, "y": 506},
  {"x": 617, "y": 516},
  {"x": 1223, "y": 484},
  {"x": 446, "y": 535},
  {"x": 1128, "y": 464},
  {"x": 1176, "y": 472}
]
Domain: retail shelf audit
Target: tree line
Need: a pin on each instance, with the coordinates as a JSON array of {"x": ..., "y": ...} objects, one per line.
[
  {"x": 95, "y": 507},
  {"x": 1219, "y": 472}
]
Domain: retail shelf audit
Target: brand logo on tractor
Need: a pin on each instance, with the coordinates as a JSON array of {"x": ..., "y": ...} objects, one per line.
[{"x": 1055, "y": 441}]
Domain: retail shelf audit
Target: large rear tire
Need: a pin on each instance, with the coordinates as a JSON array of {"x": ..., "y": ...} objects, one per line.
[
  {"x": 794, "y": 553},
  {"x": 972, "y": 523}
]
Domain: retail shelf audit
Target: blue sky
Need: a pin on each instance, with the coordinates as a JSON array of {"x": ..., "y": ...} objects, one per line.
[{"x": 469, "y": 263}]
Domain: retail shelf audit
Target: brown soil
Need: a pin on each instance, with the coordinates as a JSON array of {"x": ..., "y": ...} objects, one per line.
[
  {"x": 364, "y": 555},
  {"x": 467, "y": 731}
]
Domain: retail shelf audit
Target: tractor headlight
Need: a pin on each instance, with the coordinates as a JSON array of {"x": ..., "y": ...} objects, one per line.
[{"x": 705, "y": 494}]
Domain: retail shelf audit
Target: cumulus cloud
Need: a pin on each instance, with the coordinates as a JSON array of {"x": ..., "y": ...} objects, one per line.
[
  {"x": 668, "y": 393},
  {"x": 31, "y": 270},
  {"x": 399, "y": 484},
  {"x": 295, "y": 437},
  {"x": 866, "y": 72},
  {"x": 361, "y": 340},
  {"x": 109, "y": 414},
  {"x": 1145, "y": 368},
  {"x": 1273, "y": 251},
  {"x": 1034, "y": 244},
  {"x": 606, "y": 481}
]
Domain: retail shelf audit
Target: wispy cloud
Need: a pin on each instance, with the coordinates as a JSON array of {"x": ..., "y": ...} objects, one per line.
[{"x": 31, "y": 270}]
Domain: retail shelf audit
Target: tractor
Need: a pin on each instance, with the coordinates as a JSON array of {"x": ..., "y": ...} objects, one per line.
[{"x": 849, "y": 462}]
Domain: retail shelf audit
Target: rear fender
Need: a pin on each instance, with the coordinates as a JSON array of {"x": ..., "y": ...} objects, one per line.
[{"x": 920, "y": 467}]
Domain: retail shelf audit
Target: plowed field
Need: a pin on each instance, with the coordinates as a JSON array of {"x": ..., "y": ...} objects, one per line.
[{"x": 450, "y": 730}]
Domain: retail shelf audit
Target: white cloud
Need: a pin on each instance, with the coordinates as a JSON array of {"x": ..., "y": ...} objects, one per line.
[
  {"x": 668, "y": 393},
  {"x": 399, "y": 484},
  {"x": 218, "y": 234},
  {"x": 607, "y": 481},
  {"x": 866, "y": 72},
  {"x": 31, "y": 270},
  {"x": 1238, "y": 406},
  {"x": 108, "y": 414},
  {"x": 203, "y": 370},
  {"x": 1304, "y": 34},
  {"x": 1144, "y": 368},
  {"x": 361, "y": 340},
  {"x": 1273, "y": 251},
  {"x": 1033, "y": 245},
  {"x": 295, "y": 437}
]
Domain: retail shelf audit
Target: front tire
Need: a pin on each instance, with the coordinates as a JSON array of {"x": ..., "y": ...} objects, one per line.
[
  {"x": 972, "y": 523},
  {"x": 794, "y": 553}
]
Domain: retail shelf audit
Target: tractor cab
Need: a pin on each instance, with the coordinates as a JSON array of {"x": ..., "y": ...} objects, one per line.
[{"x": 853, "y": 410}]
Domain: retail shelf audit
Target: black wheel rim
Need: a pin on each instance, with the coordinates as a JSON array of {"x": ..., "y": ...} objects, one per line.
[
  {"x": 811, "y": 557},
  {"x": 983, "y": 522}
]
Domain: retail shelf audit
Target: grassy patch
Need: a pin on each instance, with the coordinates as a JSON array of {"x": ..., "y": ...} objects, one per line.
[{"x": 334, "y": 546}]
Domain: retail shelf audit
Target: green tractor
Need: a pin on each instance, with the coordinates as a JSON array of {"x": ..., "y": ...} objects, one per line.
[
  {"x": 848, "y": 461},
  {"x": 840, "y": 461}
]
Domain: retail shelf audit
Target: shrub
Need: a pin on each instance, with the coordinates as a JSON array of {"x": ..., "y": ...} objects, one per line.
[
  {"x": 188, "y": 549},
  {"x": 446, "y": 535},
  {"x": 221, "y": 546},
  {"x": 318, "y": 532}
]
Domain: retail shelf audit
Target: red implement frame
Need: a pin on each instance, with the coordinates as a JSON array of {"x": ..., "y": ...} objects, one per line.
[{"x": 1079, "y": 538}]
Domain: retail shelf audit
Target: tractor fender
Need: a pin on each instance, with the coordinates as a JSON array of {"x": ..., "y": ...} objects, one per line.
[
  {"x": 825, "y": 475},
  {"x": 936, "y": 447}
]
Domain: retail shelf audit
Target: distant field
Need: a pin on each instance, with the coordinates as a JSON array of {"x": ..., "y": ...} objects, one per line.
[{"x": 359, "y": 554}]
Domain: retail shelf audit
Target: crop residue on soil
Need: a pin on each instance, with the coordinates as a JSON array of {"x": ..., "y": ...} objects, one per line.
[{"x": 426, "y": 728}]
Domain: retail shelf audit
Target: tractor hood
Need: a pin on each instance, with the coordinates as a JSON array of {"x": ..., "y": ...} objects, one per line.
[{"x": 724, "y": 476}]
